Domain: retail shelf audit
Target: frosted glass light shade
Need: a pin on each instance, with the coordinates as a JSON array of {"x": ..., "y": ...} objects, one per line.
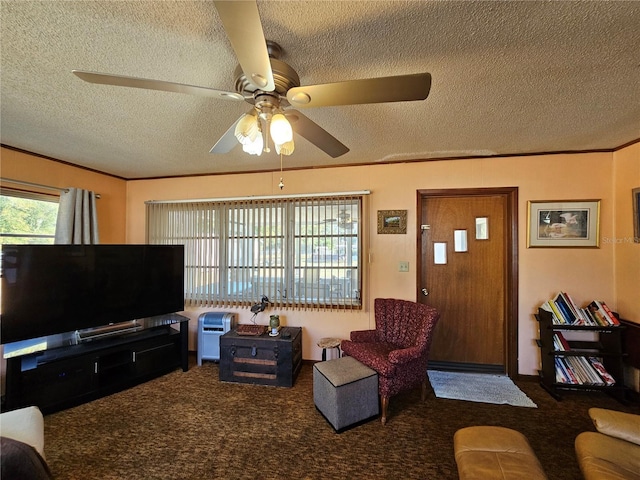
[
  {"x": 281, "y": 131},
  {"x": 254, "y": 147},
  {"x": 286, "y": 148},
  {"x": 247, "y": 129}
]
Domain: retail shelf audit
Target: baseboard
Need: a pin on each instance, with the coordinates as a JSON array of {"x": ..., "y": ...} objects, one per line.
[{"x": 466, "y": 367}]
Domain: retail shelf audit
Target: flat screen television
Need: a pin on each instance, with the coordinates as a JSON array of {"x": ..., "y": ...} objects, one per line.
[{"x": 51, "y": 289}]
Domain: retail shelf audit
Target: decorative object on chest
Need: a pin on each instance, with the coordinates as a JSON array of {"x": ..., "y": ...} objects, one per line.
[{"x": 274, "y": 325}]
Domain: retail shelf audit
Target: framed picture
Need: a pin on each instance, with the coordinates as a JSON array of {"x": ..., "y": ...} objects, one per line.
[
  {"x": 636, "y": 214},
  {"x": 563, "y": 223},
  {"x": 392, "y": 221}
]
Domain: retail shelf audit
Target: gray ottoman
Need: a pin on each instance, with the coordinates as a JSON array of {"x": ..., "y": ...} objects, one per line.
[{"x": 345, "y": 391}]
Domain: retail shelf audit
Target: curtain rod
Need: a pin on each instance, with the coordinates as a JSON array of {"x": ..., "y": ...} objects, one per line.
[
  {"x": 262, "y": 197},
  {"x": 37, "y": 185}
]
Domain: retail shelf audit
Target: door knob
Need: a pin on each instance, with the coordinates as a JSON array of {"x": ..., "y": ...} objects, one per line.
[{"x": 424, "y": 292}]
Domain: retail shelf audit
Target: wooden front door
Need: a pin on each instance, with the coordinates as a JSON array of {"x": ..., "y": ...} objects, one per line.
[{"x": 470, "y": 281}]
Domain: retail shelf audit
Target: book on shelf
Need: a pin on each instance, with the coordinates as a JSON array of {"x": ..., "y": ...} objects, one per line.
[
  {"x": 565, "y": 311},
  {"x": 600, "y": 314},
  {"x": 575, "y": 375},
  {"x": 584, "y": 371},
  {"x": 591, "y": 372},
  {"x": 580, "y": 319},
  {"x": 580, "y": 370},
  {"x": 564, "y": 374},
  {"x": 574, "y": 366},
  {"x": 591, "y": 319},
  {"x": 599, "y": 368},
  {"x": 560, "y": 343},
  {"x": 557, "y": 345},
  {"x": 614, "y": 320},
  {"x": 555, "y": 317}
]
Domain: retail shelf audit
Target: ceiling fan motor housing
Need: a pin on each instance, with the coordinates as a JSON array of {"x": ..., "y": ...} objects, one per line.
[{"x": 284, "y": 76}]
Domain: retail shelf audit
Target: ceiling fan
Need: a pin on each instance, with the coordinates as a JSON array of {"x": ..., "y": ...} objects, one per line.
[{"x": 273, "y": 87}]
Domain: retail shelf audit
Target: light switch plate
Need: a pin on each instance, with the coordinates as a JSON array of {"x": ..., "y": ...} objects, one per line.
[{"x": 403, "y": 267}]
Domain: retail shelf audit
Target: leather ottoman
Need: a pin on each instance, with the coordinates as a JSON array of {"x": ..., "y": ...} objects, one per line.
[{"x": 495, "y": 453}]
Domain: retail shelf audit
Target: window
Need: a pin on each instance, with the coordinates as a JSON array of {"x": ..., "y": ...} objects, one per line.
[
  {"x": 27, "y": 218},
  {"x": 297, "y": 251}
]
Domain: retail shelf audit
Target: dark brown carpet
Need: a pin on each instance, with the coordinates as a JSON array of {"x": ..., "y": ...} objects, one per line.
[{"x": 191, "y": 426}]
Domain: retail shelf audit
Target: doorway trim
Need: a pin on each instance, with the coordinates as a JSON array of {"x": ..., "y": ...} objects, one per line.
[{"x": 510, "y": 194}]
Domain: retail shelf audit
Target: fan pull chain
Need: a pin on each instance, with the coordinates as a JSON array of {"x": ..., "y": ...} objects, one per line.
[{"x": 281, "y": 184}]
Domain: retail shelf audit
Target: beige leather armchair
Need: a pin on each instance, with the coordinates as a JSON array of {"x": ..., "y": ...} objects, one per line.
[{"x": 613, "y": 452}]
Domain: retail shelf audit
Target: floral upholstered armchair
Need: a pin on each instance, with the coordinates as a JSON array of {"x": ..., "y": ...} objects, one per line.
[{"x": 398, "y": 349}]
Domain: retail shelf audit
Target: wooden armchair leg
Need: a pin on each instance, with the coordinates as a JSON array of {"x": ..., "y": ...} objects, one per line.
[{"x": 385, "y": 408}]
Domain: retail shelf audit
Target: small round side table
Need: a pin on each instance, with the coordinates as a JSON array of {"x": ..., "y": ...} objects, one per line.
[{"x": 329, "y": 342}]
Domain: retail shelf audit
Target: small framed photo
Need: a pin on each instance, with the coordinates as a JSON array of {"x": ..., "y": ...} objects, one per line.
[
  {"x": 392, "y": 221},
  {"x": 636, "y": 214},
  {"x": 563, "y": 223}
]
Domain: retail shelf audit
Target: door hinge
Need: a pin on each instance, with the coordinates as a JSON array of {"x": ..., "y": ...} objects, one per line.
[{"x": 425, "y": 227}]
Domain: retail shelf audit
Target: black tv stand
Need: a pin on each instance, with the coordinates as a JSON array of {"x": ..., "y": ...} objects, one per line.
[{"x": 63, "y": 376}]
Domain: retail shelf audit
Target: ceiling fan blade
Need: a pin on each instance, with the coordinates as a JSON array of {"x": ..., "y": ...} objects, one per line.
[
  {"x": 315, "y": 134},
  {"x": 135, "y": 82},
  {"x": 241, "y": 22},
  {"x": 228, "y": 140},
  {"x": 400, "y": 88}
]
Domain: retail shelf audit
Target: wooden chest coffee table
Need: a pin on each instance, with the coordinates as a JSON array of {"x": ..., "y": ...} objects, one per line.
[{"x": 261, "y": 359}]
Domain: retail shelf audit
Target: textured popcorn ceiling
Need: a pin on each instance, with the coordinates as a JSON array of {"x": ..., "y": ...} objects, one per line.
[{"x": 508, "y": 78}]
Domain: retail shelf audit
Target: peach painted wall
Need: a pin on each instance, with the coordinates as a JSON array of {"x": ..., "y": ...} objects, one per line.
[
  {"x": 626, "y": 177},
  {"x": 111, "y": 205},
  {"x": 584, "y": 273},
  {"x": 610, "y": 273}
]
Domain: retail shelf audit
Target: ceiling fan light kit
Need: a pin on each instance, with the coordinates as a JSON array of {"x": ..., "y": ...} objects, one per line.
[
  {"x": 250, "y": 135},
  {"x": 272, "y": 87},
  {"x": 247, "y": 129},
  {"x": 280, "y": 129},
  {"x": 286, "y": 148},
  {"x": 255, "y": 147}
]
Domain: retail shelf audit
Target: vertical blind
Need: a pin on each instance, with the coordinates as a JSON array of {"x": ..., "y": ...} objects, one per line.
[{"x": 299, "y": 252}]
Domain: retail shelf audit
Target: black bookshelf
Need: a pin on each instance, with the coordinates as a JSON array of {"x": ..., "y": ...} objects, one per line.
[{"x": 607, "y": 345}]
